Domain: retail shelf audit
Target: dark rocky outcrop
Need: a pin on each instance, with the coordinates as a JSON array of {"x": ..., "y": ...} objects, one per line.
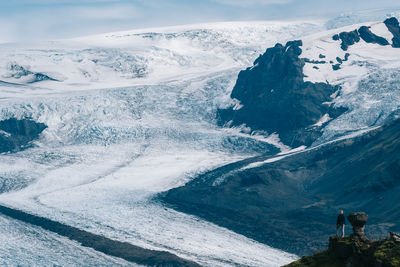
[
  {"x": 18, "y": 71},
  {"x": 340, "y": 62},
  {"x": 364, "y": 32},
  {"x": 353, "y": 251},
  {"x": 347, "y": 38},
  {"x": 350, "y": 252},
  {"x": 275, "y": 97},
  {"x": 369, "y": 37},
  {"x": 393, "y": 26},
  {"x": 18, "y": 134},
  {"x": 294, "y": 201},
  {"x": 314, "y": 61}
]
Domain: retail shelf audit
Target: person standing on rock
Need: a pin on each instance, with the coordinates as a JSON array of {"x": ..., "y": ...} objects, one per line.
[{"x": 340, "y": 223}]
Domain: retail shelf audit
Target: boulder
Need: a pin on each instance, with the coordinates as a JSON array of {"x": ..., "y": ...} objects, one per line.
[{"x": 358, "y": 221}]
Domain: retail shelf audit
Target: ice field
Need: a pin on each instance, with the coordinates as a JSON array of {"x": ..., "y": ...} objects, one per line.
[{"x": 133, "y": 114}]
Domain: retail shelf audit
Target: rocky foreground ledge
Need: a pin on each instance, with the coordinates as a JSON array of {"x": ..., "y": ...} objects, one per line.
[{"x": 356, "y": 250}]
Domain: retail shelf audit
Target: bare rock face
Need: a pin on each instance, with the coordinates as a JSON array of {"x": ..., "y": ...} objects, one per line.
[
  {"x": 348, "y": 38},
  {"x": 18, "y": 134},
  {"x": 275, "y": 98},
  {"x": 358, "y": 221},
  {"x": 393, "y": 26}
]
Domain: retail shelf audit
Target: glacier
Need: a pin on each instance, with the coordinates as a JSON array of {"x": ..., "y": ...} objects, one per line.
[
  {"x": 24, "y": 245},
  {"x": 130, "y": 115},
  {"x": 368, "y": 79}
]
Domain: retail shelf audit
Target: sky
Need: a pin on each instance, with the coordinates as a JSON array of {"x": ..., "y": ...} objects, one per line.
[{"x": 27, "y": 20}]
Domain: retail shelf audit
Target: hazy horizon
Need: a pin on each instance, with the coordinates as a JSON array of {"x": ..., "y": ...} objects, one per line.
[{"x": 25, "y": 20}]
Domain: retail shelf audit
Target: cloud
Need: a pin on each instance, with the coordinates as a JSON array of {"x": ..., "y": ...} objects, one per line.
[
  {"x": 63, "y": 21},
  {"x": 251, "y": 3}
]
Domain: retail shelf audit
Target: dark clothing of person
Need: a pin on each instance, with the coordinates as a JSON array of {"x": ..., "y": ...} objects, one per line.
[
  {"x": 340, "y": 220},
  {"x": 340, "y": 224}
]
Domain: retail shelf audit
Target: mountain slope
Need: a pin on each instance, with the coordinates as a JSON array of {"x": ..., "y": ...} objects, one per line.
[
  {"x": 325, "y": 85},
  {"x": 322, "y": 92},
  {"x": 274, "y": 97},
  {"x": 291, "y": 202}
]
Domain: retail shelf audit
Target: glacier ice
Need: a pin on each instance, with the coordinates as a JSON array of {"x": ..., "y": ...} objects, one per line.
[
  {"x": 25, "y": 245},
  {"x": 130, "y": 115},
  {"x": 133, "y": 114},
  {"x": 372, "y": 104}
]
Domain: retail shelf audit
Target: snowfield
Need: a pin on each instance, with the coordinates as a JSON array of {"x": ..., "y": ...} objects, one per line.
[
  {"x": 130, "y": 115},
  {"x": 149, "y": 56},
  {"x": 368, "y": 79}
]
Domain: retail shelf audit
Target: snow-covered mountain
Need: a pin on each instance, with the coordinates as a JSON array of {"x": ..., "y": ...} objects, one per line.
[
  {"x": 321, "y": 87},
  {"x": 131, "y": 114},
  {"x": 148, "y": 56},
  {"x": 336, "y": 93},
  {"x": 290, "y": 201}
]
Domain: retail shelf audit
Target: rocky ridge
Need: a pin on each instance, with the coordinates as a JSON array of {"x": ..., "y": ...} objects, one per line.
[{"x": 356, "y": 250}]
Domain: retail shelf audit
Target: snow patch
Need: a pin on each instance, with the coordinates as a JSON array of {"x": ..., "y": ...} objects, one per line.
[
  {"x": 324, "y": 119},
  {"x": 237, "y": 103},
  {"x": 6, "y": 134},
  {"x": 282, "y": 155},
  {"x": 259, "y": 164},
  {"x": 380, "y": 29}
]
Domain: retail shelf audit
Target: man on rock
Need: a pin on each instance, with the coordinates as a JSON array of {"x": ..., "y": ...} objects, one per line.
[{"x": 340, "y": 223}]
